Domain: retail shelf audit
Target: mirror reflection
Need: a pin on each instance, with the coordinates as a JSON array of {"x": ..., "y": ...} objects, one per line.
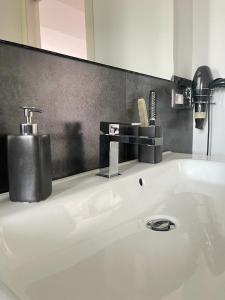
[{"x": 141, "y": 36}]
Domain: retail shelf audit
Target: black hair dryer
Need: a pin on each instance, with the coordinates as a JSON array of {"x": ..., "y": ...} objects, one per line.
[
  {"x": 201, "y": 94},
  {"x": 202, "y": 87}
]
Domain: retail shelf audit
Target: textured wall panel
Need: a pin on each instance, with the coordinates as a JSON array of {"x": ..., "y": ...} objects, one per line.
[{"x": 75, "y": 96}]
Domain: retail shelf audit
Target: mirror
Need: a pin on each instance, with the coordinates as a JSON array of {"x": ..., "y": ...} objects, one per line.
[{"x": 143, "y": 36}]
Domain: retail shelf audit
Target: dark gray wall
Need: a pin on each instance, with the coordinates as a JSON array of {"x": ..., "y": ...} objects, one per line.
[{"x": 75, "y": 96}]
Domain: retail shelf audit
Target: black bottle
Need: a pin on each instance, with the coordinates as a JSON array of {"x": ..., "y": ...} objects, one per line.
[{"x": 29, "y": 162}]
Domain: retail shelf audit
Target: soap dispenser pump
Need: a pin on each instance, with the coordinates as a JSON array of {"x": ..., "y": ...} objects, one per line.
[{"x": 29, "y": 162}]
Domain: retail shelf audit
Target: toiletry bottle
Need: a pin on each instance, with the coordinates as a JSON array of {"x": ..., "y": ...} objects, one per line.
[{"x": 29, "y": 162}]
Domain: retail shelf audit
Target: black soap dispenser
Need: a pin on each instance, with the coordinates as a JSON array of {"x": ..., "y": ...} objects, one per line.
[{"x": 29, "y": 162}]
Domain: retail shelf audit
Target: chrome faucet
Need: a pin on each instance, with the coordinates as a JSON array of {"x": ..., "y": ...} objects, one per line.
[{"x": 114, "y": 134}]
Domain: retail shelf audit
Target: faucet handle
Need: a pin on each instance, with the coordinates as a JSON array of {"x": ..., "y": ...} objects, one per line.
[{"x": 114, "y": 127}]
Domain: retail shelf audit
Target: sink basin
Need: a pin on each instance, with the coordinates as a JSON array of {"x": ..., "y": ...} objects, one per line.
[{"x": 89, "y": 240}]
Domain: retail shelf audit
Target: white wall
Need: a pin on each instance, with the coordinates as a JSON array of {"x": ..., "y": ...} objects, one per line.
[
  {"x": 63, "y": 26},
  {"x": 89, "y": 24},
  {"x": 135, "y": 35},
  {"x": 183, "y": 38},
  {"x": 19, "y": 21},
  {"x": 209, "y": 49},
  {"x": 11, "y": 20}
]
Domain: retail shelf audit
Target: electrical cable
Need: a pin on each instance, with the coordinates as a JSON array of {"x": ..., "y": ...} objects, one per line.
[
  {"x": 209, "y": 119},
  {"x": 217, "y": 83}
]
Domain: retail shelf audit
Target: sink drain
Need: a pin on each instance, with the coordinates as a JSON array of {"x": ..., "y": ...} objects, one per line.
[{"x": 160, "y": 224}]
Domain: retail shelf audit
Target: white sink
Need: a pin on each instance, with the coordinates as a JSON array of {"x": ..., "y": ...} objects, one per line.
[{"x": 89, "y": 239}]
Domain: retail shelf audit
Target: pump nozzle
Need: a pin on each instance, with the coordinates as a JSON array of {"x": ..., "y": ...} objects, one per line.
[{"x": 29, "y": 128}]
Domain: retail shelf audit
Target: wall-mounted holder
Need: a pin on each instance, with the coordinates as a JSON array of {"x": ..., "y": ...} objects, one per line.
[
  {"x": 181, "y": 93},
  {"x": 150, "y": 153},
  {"x": 197, "y": 94}
]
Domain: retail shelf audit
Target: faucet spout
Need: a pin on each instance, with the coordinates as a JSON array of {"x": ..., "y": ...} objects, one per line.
[{"x": 115, "y": 134}]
